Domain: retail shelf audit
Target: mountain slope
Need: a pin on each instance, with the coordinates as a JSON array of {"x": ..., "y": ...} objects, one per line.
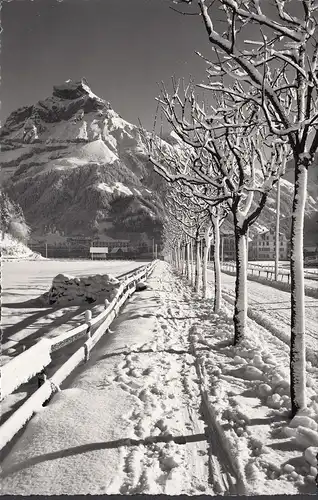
[
  {"x": 66, "y": 157},
  {"x": 76, "y": 167}
]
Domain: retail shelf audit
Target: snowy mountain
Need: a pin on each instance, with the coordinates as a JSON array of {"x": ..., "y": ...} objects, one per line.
[{"x": 66, "y": 158}]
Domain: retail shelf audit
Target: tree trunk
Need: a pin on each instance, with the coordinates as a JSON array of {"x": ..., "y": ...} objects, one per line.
[
  {"x": 297, "y": 340},
  {"x": 188, "y": 261},
  {"x": 207, "y": 241},
  {"x": 179, "y": 258},
  {"x": 192, "y": 265},
  {"x": 217, "y": 267},
  {"x": 277, "y": 231},
  {"x": 197, "y": 266},
  {"x": 182, "y": 260},
  {"x": 240, "y": 308}
]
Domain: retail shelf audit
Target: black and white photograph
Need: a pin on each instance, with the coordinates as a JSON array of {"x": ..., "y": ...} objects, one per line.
[{"x": 159, "y": 248}]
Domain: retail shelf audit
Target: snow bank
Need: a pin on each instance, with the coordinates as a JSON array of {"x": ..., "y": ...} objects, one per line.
[
  {"x": 11, "y": 248},
  {"x": 67, "y": 290},
  {"x": 25, "y": 366}
]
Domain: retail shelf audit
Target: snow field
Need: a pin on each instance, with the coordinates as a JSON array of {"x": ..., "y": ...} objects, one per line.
[
  {"x": 24, "y": 326},
  {"x": 135, "y": 404},
  {"x": 24, "y": 317},
  {"x": 311, "y": 285}
]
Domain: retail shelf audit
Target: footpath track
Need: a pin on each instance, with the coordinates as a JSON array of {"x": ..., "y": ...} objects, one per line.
[{"x": 141, "y": 425}]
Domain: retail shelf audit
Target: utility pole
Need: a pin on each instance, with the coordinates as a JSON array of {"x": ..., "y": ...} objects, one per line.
[
  {"x": 46, "y": 250},
  {"x": 156, "y": 251}
]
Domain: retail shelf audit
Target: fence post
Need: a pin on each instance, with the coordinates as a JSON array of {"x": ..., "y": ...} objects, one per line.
[
  {"x": 41, "y": 378},
  {"x": 88, "y": 319}
]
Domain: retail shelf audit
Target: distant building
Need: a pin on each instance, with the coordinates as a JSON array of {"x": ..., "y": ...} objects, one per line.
[
  {"x": 228, "y": 246},
  {"x": 262, "y": 246},
  {"x": 112, "y": 244}
]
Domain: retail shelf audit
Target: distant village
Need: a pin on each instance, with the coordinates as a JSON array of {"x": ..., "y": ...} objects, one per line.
[{"x": 260, "y": 247}]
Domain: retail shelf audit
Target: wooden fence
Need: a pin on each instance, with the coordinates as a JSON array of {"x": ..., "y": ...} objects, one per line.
[
  {"x": 31, "y": 362},
  {"x": 267, "y": 272}
]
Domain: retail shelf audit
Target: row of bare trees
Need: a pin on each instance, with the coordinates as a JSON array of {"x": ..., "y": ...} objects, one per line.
[{"x": 261, "y": 111}]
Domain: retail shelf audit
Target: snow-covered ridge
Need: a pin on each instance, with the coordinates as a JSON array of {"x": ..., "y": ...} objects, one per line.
[{"x": 72, "y": 152}]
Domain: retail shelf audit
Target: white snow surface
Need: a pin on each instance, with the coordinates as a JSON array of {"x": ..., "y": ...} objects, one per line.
[
  {"x": 24, "y": 317},
  {"x": 13, "y": 249},
  {"x": 145, "y": 379},
  {"x": 140, "y": 382},
  {"x": 31, "y": 361},
  {"x": 118, "y": 186}
]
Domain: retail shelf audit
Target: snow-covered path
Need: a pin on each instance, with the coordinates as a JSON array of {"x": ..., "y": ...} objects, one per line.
[
  {"x": 167, "y": 405},
  {"x": 140, "y": 385},
  {"x": 271, "y": 308}
]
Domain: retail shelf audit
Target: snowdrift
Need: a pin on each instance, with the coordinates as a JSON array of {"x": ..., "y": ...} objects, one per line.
[{"x": 68, "y": 290}]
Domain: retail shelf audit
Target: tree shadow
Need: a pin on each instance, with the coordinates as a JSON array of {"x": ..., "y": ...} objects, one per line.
[
  {"x": 41, "y": 331},
  {"x": 86, "y": 448},
  {"x": 6, "y": 415},
  {"x": 267, "y": 420},
  {"x": 223, "y": 344},
  {"x": 287, "y": 445}
]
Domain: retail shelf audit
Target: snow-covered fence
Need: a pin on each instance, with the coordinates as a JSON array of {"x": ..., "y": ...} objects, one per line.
[
  {"x": 267, "y": 272},
  {"x": 24, "y": 367},
  {"x": 38, "y": 356}
]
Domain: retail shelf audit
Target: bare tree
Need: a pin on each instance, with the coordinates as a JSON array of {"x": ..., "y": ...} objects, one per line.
[
  {"x": 190, "y": 219},
  {"x": 178, "y": 165},
  {"x": 236, "y": 163},
  {"x": 279, "y": 75}
]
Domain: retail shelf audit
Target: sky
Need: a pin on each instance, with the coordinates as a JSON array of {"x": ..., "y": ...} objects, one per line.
[{"x": 123, "y": 48}]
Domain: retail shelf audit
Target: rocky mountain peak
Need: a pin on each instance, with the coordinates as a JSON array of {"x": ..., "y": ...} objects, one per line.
[{"x": 69, "y": 101}]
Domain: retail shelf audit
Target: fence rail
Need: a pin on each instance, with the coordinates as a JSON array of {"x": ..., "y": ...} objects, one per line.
[
  {"x": 257, "y": 269},
  {"x": 31, "y": 362}
]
